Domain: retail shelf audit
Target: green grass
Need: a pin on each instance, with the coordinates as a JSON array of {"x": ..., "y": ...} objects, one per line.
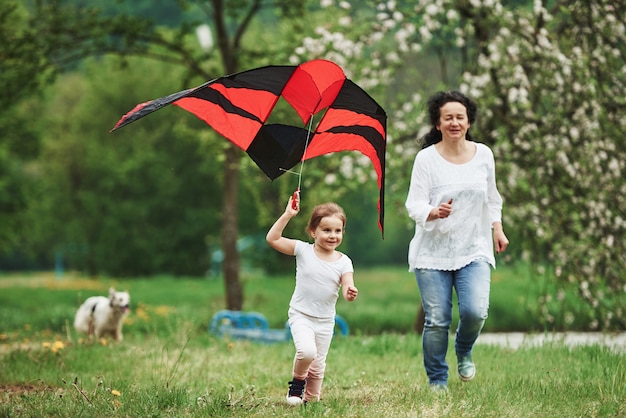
[
  {"x": 388, "y": 300},
  {"x": 169, "y": 365},
  {"x": 366, "y": 376}
]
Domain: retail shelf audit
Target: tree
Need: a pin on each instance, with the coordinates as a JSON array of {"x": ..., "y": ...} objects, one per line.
[
  {"x": 91, "y": 32},
  {"x": 557, "y": 77},
  {"x": 549, "y": 78},
  {"x": 24, "y": 68},
  {"x": 33, "y": 48},
  {"x": 133, "y": 204}
]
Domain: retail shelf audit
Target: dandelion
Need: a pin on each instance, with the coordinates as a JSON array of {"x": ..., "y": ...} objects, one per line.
[
  {"x": 141, "y": 313},
  {"x": 57, "y": 345},
  {"x": 115, "y": 392},
  {"x": 54, "y": 346},
  {"x": 164, "y": 310}
]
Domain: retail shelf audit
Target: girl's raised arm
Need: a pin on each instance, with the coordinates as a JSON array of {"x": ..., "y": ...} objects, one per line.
[{"x": 275, "y": 237}]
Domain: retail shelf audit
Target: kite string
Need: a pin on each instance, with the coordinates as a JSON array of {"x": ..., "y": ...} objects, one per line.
[{"x": 306, "y": 145}]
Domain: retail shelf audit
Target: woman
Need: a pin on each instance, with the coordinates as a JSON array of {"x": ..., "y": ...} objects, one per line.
[{"x": 455, "y": 204}]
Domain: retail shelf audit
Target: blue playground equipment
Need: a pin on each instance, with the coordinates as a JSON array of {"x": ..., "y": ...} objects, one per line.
[{"x": 253, "y": 326}]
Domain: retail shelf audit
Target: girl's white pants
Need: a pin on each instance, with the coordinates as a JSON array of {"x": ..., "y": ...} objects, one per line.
[{"x": 311, "y": 337}]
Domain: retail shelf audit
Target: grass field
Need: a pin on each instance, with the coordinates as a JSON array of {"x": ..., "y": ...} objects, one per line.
[{"x": 169, "y": 365}]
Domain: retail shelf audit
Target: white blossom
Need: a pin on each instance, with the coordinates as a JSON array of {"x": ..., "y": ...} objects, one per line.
[
  {"x": 345, "y": 21},
  {"x": 345, "y": 5},
  {"x": 544, "y": 88}
]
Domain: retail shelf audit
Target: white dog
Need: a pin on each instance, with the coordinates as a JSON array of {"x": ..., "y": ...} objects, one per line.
[{"x": 100, "y": 315}]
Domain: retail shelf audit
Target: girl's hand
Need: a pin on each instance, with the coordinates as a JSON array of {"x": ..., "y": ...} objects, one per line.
[
  {"x": 352, "y": 293},
  {"x": 295, "y": 199},
  {"x": 293, "y": 206}
]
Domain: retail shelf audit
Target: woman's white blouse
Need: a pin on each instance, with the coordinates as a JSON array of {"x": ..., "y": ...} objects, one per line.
[{"x": 466, "y": 235}]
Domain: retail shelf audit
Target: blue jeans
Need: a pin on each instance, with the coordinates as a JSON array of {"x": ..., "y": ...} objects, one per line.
[{"x": 471, "y": 284}]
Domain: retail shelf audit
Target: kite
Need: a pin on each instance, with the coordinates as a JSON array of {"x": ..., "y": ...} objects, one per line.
[{"x": 237, "y": 106}]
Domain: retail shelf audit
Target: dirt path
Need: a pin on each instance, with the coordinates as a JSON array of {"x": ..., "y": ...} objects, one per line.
[{"x": 515, "y": 340}]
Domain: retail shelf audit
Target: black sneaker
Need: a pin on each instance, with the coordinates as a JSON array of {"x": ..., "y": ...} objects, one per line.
[{"x": 296, "y": 389}]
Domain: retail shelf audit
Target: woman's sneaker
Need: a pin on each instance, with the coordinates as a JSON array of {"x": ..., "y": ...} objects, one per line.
[
  {"x": 296, "y": 389},
  {"x": 439, "y": 388},
  {"x": 466, "y": 368}
]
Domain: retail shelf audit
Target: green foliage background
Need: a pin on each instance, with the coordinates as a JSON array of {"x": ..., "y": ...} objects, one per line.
[{"x": 145, "y": 200}]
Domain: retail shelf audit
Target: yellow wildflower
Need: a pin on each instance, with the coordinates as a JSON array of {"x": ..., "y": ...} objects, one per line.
[
  {"x": 57, "y": 345},
  {"x": 115, "y": 392},
  {"x": 163, "y": 310},
  {"x": 141, "y": 313}
]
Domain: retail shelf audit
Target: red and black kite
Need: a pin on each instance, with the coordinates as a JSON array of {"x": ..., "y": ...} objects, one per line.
[{"x": 237, "y": 106}]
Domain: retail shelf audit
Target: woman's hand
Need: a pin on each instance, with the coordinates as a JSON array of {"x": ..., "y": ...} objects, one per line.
[
  {"x": 441, "y": 212},
  {"x": 499, "y": 239}
]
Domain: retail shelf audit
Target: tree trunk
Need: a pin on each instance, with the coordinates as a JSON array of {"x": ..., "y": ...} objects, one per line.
[
  {"x": 419, "y": 320},
  {"x": 230, "y": 265},
  {"x": 443, "y": 66}
]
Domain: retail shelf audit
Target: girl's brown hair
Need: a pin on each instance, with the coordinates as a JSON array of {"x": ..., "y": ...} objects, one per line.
[{"x": 322, "y": 211}]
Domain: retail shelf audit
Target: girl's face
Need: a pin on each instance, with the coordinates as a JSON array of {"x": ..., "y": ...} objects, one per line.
[
  {"x": 453, "y": 121},
  {"x": 329, "y": 233}
]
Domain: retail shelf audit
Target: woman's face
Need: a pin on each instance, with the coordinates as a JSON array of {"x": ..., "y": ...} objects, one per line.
[{"x": 453, "y": 121}]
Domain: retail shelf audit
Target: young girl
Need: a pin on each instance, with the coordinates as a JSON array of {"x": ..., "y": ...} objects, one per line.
[{"x": 320, "y": 272}]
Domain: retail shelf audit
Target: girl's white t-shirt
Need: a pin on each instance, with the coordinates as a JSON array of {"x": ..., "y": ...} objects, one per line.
[
  {"x": 317, "y": 281},
  {"x": 466, "y": 235}
]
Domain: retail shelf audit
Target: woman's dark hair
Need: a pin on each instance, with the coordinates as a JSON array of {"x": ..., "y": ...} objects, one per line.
[{"x": 434, "y": 104}]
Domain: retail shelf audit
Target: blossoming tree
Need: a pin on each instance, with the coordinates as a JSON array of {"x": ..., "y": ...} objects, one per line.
[{"x": 550, "y": 83}]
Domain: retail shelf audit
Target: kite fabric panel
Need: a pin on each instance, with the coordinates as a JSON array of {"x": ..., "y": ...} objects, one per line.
[{"x": 238, "y": 106}]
